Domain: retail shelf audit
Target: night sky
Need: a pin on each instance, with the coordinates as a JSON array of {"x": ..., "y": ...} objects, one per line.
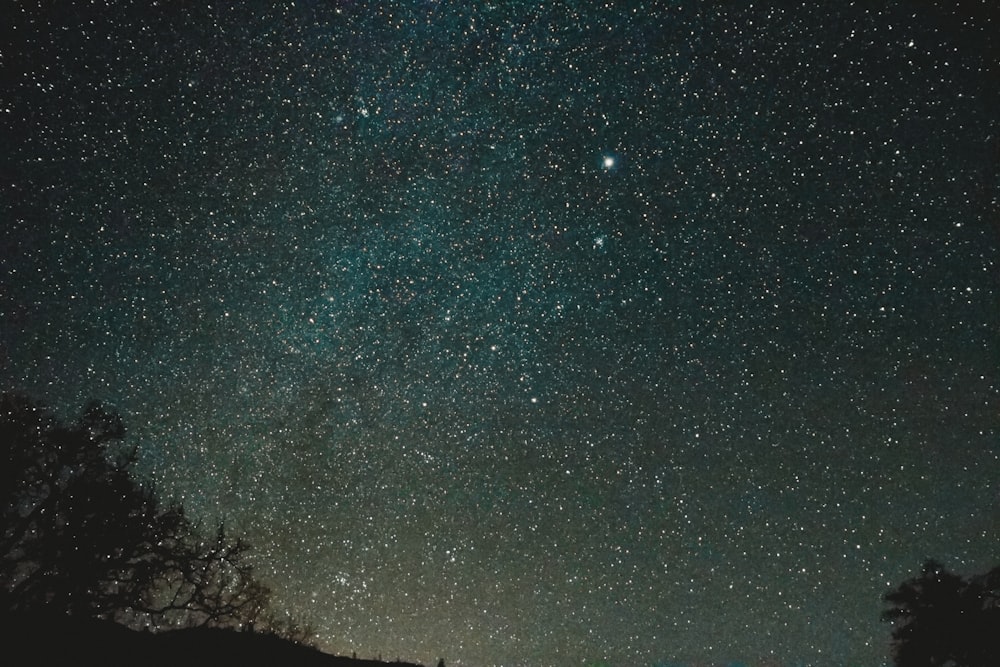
[{"x": 526, "y": 333}]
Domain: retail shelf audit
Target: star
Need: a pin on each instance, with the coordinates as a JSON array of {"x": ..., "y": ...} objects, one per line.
[{"x": 609, "y": 161}]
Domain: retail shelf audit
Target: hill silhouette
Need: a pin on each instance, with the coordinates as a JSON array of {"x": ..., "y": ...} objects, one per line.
[{"x": 40, "y": 639}]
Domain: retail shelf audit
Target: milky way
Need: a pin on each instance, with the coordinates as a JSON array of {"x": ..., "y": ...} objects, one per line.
[{"x": 647, "y": 333}]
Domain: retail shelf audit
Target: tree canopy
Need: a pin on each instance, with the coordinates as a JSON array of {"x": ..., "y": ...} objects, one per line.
[
  {"x": 82, "y": 536},
  {"x": 942, "y": 618}
]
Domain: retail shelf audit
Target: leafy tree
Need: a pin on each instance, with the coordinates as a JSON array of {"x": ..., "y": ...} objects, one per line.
[
  {"x": 941, "y": 618},
  {"x": 80, "y": 536}
]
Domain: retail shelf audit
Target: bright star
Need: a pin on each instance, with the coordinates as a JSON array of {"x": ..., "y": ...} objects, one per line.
[{"x": 609, "y": 161}]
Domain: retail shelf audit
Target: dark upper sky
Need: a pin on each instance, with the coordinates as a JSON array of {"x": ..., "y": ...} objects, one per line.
[{"x": 520, "y": 334}]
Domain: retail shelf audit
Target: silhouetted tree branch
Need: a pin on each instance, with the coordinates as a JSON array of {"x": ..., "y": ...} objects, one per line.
[{"x": 82, "y": 537}]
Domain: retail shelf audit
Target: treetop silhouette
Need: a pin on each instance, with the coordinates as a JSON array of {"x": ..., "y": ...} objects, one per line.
[
  {"x": 82, "y": 537},
  {"x": 942, "y": 618}
]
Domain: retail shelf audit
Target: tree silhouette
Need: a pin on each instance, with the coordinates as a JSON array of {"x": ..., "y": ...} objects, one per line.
[
  {"x": 81, "y": 536},
  {"x": 944, "y": 619}
]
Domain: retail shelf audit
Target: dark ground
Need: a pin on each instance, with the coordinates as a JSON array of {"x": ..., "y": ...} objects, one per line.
[{"x": 36, "y": 640}]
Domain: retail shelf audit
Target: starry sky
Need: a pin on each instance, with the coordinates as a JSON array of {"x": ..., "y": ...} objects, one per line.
[{"x": 523, "y": 333}]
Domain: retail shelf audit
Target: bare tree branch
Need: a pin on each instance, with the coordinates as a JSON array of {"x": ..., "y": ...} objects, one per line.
[{"x": 80, "y": 535}]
